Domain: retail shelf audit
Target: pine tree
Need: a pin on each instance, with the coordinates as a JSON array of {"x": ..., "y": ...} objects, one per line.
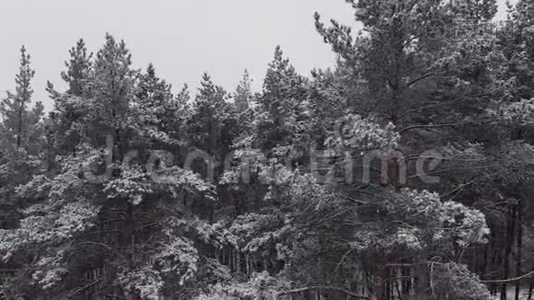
[
  {"x": 156, "y": 109},
  {"x": 182, "y": 112},
  {"x": 417, "y": 80},
  {"x": 281, "y": 104},
  {"x": 112, "y": 90},
  {"x": 78, "y": 70},
  {"x": 243, "y": 94},
  {"x": 151, "y": 90},
  {"x": 21, "y": 140},
  {"x": 66, "y": 129},
  {"x": 208, "y": 112},
  {"x": 19, "y": 120}
]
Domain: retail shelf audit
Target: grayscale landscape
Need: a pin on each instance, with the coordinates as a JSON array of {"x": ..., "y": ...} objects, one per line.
[{"x": 267, "y": 150}]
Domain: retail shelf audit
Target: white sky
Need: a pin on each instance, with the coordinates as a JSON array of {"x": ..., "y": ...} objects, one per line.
[{"x": 183, "y": 38}]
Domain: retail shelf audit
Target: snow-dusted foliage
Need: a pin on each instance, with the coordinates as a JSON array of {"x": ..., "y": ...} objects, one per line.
[
  {"x": 260, "y": 286},
  {"x": 126, "y": 190},
  {"x": 353, "y": 132},
  {"x": 515, "y": 113},
  {"x": 417, "y": 221},
  {"x": 136, "y": 184},
  {"x": 50, "y": 270},
  {"x": 464, "y": 225},
  {"x": 453, "y": 280},
  {"x": 178, "y": 257},
  {"x": 145, "y": 279},
  {"x": 50, "y": 229}
]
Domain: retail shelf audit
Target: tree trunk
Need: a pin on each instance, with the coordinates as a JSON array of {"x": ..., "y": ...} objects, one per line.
[
  {"x": 508, "y": 250},
  {"x": 530, "y": 289},
  {"x": 519, "y": 248},
  {"x": 382, "y": 289}
]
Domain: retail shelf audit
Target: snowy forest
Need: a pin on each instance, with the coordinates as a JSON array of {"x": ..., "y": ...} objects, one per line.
[{"x": 404, "y": 172}]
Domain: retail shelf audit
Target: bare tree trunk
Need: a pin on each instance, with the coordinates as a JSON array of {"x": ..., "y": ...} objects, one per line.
[
  {"x": 508, "y": 250},
  {"x": 530, "y": 289},
  {"x": 406, "y": 281},
  {"x": 382, "y": 289},
  {"x": 519, "y": 248}
]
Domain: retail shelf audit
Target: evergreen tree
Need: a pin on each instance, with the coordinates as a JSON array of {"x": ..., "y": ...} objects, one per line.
[
  {"x": 325, "y": 170},
  {"x": 208, "y": 122},
  {"x": 79, "y": 68},
  {"x": 155, "y": 108},
  {"x": 112, "y": 90},
  {"x": 281, "y": 105},
  {"x": 243, "y": 94},
  {"x": 66, "y": 129},
  {"x": 20, "y": 141},
  {"x": 20, "y": 122}
]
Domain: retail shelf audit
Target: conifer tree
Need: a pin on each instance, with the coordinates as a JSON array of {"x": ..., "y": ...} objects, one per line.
[
  {"x": 112, "y": 90},
  {"x": 419, "y": 92},
  {"x": 79, "y": 68},
  {"x": 281, "y": 104},
  {"x": 66, "y": 129},
  {"x": 206, "y": 119},
  {"x": 20, "y": 121},
  {"x": 243, "y": 94},
  {"x": 20, "y": 140}
]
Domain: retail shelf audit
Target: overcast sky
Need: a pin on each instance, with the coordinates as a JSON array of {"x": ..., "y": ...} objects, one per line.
[{"x": 183, "y": 38}]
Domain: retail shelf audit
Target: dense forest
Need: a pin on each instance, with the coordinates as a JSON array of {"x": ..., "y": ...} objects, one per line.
[{"x": 404, "y": 172}]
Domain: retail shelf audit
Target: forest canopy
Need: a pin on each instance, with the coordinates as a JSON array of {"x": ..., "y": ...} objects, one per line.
[{"x": 404, "y": 172}]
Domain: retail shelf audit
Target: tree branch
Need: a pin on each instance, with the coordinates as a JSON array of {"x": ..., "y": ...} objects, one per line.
[{"x": 509, "y": 279}]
